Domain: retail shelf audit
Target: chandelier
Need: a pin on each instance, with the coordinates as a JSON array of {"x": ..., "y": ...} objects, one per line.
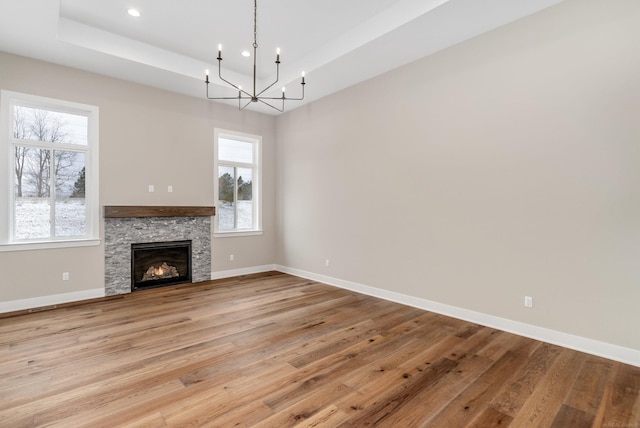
[{"x": 254, "y": 96}]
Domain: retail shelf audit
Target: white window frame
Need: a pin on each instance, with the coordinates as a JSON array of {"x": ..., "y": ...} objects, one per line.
[
  {"x": 256, "y": 141},
  {"x": 8, "y": 100}
]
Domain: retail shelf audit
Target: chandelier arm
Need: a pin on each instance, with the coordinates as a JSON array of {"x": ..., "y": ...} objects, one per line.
[
  {"x": 248, "y": 95},
  {"x": 229, "y": 83},
  {"x": 245, "y": 106},
  {"x": 302, "y": 97},
  {"x": 262, "y": 100},
  {"x": 276, "y": 81},
  {"x": 223, "y": 98},
  {"x": 285, "y": 98},
  {"x": 280, "y": 98},
  {"x": 227, "y": 98}
]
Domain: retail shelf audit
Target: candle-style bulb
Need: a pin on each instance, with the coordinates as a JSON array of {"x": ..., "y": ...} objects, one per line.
[{"x": 277, "y": 51}]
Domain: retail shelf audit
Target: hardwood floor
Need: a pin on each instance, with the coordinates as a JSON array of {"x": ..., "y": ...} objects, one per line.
[{"x": 273, "y": 350}]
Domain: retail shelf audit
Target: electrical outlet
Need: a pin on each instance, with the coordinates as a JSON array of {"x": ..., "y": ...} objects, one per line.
[
  {"x": 326, "y": 263},
  {"x": 169, "y": 189},
  {"x": 65, "y": 276},
  {"x": 151, "y": 188},
  {"x": 528, "y": 301},
  {"x": 231, "y": 257}
]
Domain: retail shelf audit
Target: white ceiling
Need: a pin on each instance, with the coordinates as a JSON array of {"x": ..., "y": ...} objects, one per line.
[{"x": 338, "y": 43}]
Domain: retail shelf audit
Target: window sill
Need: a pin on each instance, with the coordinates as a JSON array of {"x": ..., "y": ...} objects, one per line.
[
  {"x": 28, "y": 246},
  {"x": 237, "y": 234}
]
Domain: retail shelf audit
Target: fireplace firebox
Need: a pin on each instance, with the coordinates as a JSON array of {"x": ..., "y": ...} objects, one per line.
[{"x": 158, "y": 264}]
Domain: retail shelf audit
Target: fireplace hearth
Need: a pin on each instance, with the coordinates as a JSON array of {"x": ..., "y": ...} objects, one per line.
[{"x": 158, "y": 264}]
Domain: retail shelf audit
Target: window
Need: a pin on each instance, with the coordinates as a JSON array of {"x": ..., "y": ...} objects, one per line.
[
  {"x": 237, "y": 183},
  {"x": 49, "y": 148}
]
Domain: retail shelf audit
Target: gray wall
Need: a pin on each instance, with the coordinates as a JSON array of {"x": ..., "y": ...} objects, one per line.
[{"x": 505, "y": 166}]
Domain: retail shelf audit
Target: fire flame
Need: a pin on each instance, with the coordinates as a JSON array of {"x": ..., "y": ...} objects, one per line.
[{"x": 159, "y": 271}]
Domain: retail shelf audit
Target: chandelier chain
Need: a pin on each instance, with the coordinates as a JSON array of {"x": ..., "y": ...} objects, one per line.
[{"x": 255, "y": 23}]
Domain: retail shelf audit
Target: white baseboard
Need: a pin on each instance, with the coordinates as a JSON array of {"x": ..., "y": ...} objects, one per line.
[
  {"x": 243, "y": 271},
  {"x": 77, "y": 296},
  {"x": 54, "y": 299},
  {"x": 578, "y": 343},
  {"x": 583, "y": 344}
]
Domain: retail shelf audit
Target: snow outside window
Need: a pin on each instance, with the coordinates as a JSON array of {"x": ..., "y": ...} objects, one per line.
[
  {"x": 237, "y": 183},
  {"x": 50, "y": 191}
]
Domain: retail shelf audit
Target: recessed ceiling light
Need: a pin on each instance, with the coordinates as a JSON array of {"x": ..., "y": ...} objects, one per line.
[
  {"x": 246, "y": 53},
  {"x": 134, "y": 12}
]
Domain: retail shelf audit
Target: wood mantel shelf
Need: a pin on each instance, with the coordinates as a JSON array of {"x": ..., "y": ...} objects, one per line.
[{"x": 112, "y": 211}]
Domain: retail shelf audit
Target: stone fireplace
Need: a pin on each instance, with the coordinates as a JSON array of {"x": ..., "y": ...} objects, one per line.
[{"x": 145, "y": 226}]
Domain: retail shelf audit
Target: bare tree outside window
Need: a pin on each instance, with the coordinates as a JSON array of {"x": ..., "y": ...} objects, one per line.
[
  {"x": 20, "y": 132},
  {"x": 49, "y": 180}
]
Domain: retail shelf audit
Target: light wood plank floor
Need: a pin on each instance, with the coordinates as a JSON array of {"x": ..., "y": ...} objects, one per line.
[{"x": 273, "y": 350}]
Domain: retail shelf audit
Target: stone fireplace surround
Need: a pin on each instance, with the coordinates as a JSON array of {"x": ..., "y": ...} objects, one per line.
[{"x": 124, "y": 226}]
